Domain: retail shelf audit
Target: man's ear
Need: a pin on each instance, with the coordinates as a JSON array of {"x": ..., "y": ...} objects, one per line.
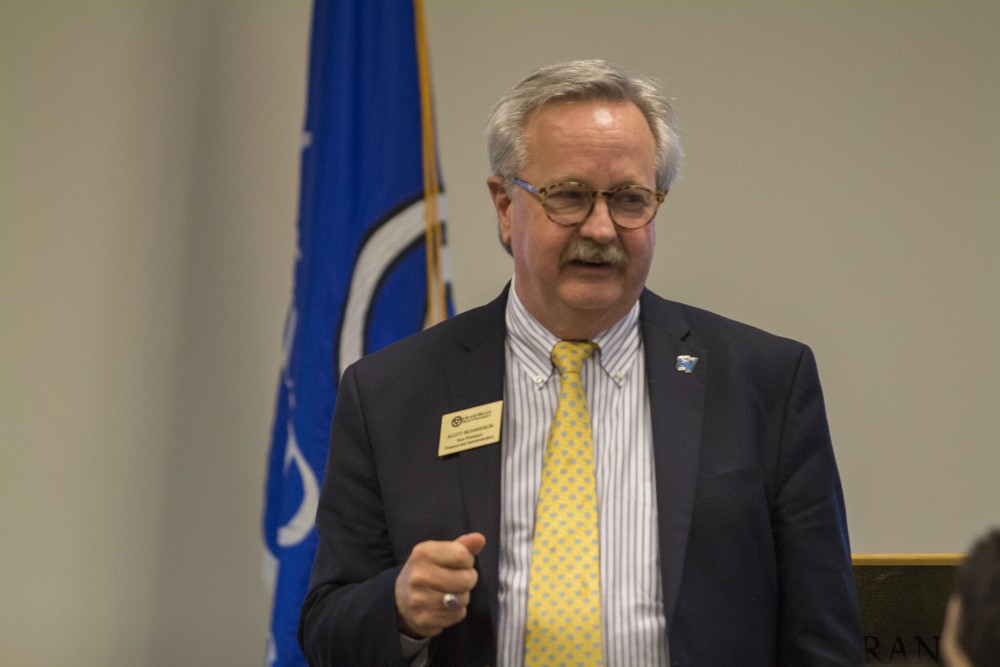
[{"x": 501, "y": 202}]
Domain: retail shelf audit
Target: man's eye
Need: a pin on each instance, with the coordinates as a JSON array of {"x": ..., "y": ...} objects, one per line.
[
  {"x": 632, "y": 198},
  {"x": 567, "y": 197}
]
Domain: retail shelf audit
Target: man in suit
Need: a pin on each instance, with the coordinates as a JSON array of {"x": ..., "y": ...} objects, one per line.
[{"x": 722, "y": 532}]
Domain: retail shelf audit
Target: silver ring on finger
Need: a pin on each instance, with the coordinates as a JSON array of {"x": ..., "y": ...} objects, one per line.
[{"x": 450, "y": 601}]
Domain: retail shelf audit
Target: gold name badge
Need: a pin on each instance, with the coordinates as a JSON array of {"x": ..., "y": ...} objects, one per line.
[{"x": 470, "y": 428}]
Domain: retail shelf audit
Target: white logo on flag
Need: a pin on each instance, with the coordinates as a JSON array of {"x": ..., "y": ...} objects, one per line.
[
  {"x": 377, "y": 256},
  {"x": 299, "y": 526}
]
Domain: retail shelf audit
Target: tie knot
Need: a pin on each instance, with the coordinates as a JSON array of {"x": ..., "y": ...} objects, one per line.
[{"x": 569, "y": 355}]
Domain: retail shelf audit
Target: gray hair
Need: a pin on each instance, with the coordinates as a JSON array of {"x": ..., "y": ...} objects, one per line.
[{"x": 580, "y": 80}]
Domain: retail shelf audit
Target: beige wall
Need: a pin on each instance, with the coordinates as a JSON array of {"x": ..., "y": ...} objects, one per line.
[
  {"x": 149, "y": 157},
  {"x": 843, "y": 161}
]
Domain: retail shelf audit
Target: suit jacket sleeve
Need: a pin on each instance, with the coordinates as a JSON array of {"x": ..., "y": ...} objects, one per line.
[
  {"x": 818, "y": 618},
  {"x": 349, "y": 616}
]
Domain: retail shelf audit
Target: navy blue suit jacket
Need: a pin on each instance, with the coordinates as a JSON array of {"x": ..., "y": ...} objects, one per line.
[{"x": 753, "y": 539}]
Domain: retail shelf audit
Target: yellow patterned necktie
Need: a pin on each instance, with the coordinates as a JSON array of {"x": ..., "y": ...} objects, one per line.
[{"x": 564, "y": 588}]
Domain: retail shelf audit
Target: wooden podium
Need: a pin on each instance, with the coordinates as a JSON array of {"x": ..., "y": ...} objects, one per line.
[{"x": 903, "y": 599}]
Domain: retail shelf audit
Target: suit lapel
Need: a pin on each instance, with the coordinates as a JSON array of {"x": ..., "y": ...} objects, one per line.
[
  {"x": 677, "y": 401},
  {"x": 477, "y": 377}
]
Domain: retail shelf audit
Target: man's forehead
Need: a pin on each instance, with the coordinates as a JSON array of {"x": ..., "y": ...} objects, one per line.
[{"x": 576, "y": 127}]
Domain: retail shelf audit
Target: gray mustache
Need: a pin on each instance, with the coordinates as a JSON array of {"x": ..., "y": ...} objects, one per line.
[{"x": 585, "y": 250}]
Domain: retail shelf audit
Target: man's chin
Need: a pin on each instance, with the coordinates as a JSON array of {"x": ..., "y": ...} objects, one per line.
[{"x": 594, "y": 296}]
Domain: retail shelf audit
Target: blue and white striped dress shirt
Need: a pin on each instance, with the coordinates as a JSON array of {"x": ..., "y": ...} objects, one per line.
[{"x": 615, "y": 381}]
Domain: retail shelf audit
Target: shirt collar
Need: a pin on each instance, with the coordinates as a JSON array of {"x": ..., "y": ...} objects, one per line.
[{"x": 531, "y": 343}]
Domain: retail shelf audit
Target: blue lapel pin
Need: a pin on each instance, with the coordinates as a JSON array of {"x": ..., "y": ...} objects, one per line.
[{"x": 686, "y": 363}]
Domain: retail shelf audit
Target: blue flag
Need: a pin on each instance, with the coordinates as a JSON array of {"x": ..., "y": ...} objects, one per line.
[{"x": 370, "y": 267}]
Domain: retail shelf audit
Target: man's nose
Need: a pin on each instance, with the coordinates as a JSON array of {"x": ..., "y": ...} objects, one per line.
[{"x": 599, "y": 225}]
